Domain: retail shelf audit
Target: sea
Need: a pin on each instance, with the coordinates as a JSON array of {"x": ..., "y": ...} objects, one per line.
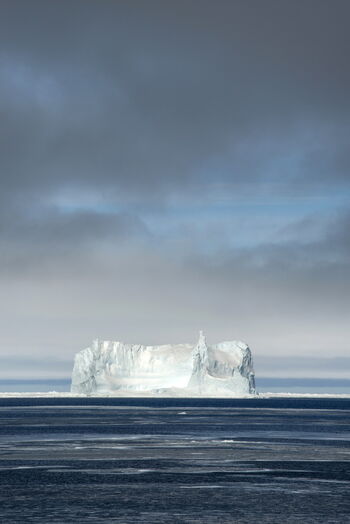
[{"x": 160, "y": 460}]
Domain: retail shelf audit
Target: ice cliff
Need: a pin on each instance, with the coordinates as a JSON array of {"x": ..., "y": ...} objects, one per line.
[{"x": 224, "y": 369}]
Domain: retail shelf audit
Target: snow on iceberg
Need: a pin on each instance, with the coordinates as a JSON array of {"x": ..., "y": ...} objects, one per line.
[{"x": 107, "y": 367}]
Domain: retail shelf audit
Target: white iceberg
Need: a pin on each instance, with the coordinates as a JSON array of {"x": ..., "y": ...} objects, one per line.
[{"x": 107, "y": 367}]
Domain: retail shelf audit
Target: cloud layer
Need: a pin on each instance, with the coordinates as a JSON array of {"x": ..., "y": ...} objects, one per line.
[{"x": 169, "y": 167}]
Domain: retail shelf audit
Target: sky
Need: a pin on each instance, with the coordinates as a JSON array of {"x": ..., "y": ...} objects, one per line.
[{"x": 167, "y": 167}]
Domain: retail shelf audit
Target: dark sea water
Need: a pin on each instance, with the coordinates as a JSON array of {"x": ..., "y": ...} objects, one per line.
[{"x": 155, "y": 461}]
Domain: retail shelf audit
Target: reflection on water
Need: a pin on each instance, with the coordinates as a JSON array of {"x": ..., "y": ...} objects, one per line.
[{"x": 176, "y": 460}]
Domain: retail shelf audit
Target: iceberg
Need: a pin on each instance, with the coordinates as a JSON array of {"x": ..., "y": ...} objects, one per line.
[{"x": 111, "y": 367}]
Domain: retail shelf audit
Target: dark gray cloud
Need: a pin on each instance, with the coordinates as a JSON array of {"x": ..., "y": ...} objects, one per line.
[
  {"x": 167, "y": 167},
  {"x": 143, "y": 97}
]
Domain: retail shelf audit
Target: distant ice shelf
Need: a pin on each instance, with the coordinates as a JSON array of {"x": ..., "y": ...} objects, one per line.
[
  {"x": 219, "y": 370},
  {"x": 67, "y": 394}
]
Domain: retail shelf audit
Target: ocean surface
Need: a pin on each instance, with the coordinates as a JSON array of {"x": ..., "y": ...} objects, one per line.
[{"x": 153, "y": 461}]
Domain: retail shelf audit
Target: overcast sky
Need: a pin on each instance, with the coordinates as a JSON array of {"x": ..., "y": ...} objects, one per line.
[{"x": 173, "y": 166}]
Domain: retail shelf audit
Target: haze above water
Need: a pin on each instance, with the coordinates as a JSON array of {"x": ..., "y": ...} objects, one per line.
[{"x": 312, "y": 386}]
